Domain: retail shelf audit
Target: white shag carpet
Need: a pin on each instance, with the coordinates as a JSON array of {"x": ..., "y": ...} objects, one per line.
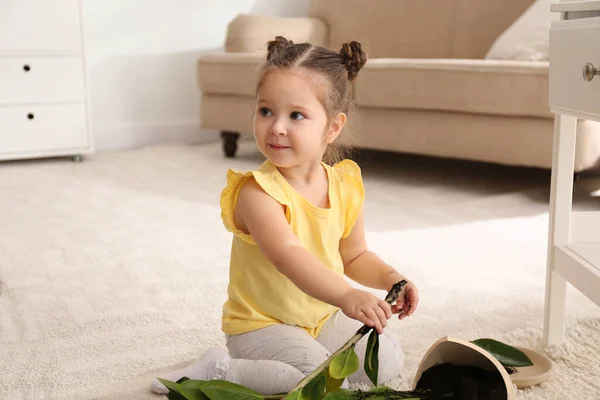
[{"x": 115, "y": 269}]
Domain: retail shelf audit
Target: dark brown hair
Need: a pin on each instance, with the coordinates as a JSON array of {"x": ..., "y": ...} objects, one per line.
[{"x": 339, "y": 71}]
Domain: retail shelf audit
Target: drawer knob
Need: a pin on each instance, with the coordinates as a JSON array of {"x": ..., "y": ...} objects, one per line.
[
  {"x": 589, "y": 71},
  {"x": 26, "y": 68},
  {"x": 30, "y": 116}
]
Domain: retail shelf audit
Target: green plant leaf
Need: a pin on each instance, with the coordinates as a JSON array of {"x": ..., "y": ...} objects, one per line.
[
  {"x": 344, "y": 364},
  {"x": 192, "y": 389},
  {"x": 173, "y": 395},
  {"x": 379, "y": 389},
  {"x": 193, "y": 394},
  {"x": 173, "y": 387},
  {"x": 296, "y": 395},
  {"x": 224, "y": 390},
  {"x": 507, "y": 355},
  {"x": 315, "y": 389},
  {"x": 331, "y": 383},
  {"x": 192, "y": 383},
  {"x": 340, "y": 394},
  {"x": 169, "y": 384},
  {"x": 372, "y": 357}
]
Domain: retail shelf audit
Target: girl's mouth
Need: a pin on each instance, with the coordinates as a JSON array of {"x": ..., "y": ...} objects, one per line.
[{"x": 277, "y": 146}]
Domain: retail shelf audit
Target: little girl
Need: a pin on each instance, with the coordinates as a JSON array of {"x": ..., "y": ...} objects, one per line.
[{"x": 298, "y": 229}]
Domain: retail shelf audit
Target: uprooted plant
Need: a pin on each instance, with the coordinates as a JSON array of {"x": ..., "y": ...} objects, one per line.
[{"x": 325, "y": 382}]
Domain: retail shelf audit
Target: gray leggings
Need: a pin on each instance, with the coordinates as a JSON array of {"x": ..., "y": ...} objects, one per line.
[{"x": 274, "y": 359}]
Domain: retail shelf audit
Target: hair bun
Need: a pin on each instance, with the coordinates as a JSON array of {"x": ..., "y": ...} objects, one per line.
[
  {"x": 353, "y": 58},
  {"x": 276, "y": 46}
]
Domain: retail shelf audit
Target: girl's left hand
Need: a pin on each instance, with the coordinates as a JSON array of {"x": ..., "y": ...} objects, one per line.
[{"x": 407, "y": 301}]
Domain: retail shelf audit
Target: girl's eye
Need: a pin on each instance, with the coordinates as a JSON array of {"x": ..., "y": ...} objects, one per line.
[
  {"x": 265, "y": 112},
  {"x": 296, "y": 116}
]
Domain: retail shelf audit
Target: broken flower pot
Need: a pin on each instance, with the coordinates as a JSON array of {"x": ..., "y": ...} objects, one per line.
[{"x": 457, "y": 352}]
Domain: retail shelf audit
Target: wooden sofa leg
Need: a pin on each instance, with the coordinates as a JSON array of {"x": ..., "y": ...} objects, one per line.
[
  {"x": 230, "y": 145},
  {"x": 588, "y": 173}
]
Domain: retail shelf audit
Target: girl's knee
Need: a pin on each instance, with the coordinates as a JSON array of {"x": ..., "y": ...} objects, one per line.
[
  {"x": 391, "y": 358},
  {"x": 310, "y": 361},
  {"x": 290, "y": 375},
  {"x": 391, "y": 361}
]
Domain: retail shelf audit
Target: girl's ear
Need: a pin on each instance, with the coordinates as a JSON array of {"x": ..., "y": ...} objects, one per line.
[{"x": 337, "y": 124}]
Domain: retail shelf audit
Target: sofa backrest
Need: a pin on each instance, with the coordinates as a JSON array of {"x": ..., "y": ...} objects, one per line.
[{"x": 418, "y": 28}]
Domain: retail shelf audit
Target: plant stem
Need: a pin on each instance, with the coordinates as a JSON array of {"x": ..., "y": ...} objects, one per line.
[{"x": 390, "y": 299}]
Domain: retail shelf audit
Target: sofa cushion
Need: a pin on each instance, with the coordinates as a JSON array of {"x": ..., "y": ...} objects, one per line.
[
  {"x": 250, "y": 32},
  {"x": 229, "y": 73},
  {"x": 475, "y": 86},
  {"x": 418, "y": 28},
  {"x": 528, "y": 37}
]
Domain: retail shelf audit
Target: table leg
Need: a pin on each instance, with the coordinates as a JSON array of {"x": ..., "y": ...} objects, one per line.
[{"x": 561, "y": 196}]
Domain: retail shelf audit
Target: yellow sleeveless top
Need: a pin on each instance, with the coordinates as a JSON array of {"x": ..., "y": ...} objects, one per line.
[{"x": 258, "y": 294}]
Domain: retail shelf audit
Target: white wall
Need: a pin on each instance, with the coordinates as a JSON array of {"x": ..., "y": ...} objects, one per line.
[{"x": 141, "y": 61}]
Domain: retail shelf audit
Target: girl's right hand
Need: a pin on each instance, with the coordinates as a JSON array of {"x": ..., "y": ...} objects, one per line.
[{"x": 366, "y": 308}]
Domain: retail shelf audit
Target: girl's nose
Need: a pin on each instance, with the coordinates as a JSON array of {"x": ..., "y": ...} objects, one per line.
[{"x": 278, "y": 128}]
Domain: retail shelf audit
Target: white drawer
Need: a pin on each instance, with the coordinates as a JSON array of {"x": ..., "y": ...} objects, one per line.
[
  {"x": 38, "y": 128},
  {"x": 41, "y": 80},
  {"x": 39, "y": 25},
  {"x": 573, "y": 44}
]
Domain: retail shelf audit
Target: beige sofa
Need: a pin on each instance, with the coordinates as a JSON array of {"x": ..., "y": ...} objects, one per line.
[{"x": 426, "y": 88}]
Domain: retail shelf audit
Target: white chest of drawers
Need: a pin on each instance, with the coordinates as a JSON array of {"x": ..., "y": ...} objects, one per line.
[
  {"x": 44, "y": 102},
  {"x": 574, "y": 237}
]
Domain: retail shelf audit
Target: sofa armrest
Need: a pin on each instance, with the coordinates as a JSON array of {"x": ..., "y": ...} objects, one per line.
[{"x": 250, "y": 32}]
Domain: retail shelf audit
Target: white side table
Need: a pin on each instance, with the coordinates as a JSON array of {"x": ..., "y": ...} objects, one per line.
[{"x": 574, "y": 237}]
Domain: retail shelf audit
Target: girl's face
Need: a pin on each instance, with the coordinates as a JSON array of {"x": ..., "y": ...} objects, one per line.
[{"x": 290, "y": 123}]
